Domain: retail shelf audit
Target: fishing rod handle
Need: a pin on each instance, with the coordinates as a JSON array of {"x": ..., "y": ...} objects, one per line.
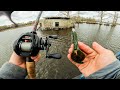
[{"x": 30, "y": 65}]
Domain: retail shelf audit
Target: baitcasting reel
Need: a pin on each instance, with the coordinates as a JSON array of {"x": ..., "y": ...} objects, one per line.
[{"x": 29, "y": 44}]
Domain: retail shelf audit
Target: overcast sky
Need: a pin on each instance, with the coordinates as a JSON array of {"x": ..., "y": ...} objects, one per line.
[{"x": 25, "y": 16}]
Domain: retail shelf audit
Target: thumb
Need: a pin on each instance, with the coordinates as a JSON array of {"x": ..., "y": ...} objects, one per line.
[
  {"x": 36, "y": 58},
  {"x": 98, "y": 48}
]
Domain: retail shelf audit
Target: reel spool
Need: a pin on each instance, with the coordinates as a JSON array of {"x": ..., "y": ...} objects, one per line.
[{"x": 27, "y": 45}]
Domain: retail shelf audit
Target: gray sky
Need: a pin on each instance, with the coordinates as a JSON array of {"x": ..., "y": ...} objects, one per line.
[{"x": 25, "y": 16}]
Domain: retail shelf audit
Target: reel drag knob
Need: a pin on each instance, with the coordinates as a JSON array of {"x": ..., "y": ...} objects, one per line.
[{"x": 41, "y": 44}]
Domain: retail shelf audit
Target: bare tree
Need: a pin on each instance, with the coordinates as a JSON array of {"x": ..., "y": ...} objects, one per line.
[
  {"x": 115, "y": 18},
  {"x": 65, "y": 13},
  {"x": 78, "y": 15},
  {"x": 101, "y": 14}
]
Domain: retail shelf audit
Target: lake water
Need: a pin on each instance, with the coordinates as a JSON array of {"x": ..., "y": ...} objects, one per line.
[{"x": 107, "y": 36}]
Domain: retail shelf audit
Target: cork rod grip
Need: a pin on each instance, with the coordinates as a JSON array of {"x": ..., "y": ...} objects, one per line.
[{"x": 30, "y": 65}]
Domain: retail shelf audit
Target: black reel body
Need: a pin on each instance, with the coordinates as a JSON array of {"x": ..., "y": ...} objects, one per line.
[
  {"x": 29, "y": 44},
  {"x": 29, "y": 48}
]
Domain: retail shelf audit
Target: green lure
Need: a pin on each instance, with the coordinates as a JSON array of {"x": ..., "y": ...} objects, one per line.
[{"x": 77, "y": 55}]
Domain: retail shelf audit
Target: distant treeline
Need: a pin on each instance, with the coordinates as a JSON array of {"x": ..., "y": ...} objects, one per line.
[
  {"x": 12, "y": 26},
  {"x": 79, "y": 19},
  {"x": 75, "y": 19}
]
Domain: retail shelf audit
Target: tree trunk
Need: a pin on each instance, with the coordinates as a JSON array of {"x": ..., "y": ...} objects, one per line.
[
  {"x": 101, "y": 17},
  {"x": 115, "y": 18}
]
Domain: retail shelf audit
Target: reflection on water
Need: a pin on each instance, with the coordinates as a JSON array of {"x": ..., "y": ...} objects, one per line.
[
  {"x": 97, "y": 33},
  {"x": 107, "y": 36}
]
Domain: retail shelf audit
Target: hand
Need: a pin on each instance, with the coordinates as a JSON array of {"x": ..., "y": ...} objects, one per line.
[
  {"x": 20, "y": 61},
  {"x": 96, "y": 58}
]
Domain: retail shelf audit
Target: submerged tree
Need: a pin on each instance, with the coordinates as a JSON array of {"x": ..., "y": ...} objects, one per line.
[
  {"x": 76, "y": 17},
  {"x": 101, "y": 14},
  {"x": 115, "y": 15},
  {"x": 115, "y": 18}
]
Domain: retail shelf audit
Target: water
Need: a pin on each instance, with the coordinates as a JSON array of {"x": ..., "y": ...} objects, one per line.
[
  {"x": 61, "y": 69},
  {"x": 107, "y": 36}
]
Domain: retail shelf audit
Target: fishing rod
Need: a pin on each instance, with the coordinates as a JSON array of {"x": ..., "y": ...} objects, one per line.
[
  {"x": 37, "y": 21},
  {"x": 29, "y": 44},
  {"x": 30, "y": 64}
]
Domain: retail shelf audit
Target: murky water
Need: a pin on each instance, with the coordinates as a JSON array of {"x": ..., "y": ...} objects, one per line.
[
  {"x": 107, "y": 36},
  {"x": 62, "y": 68}
]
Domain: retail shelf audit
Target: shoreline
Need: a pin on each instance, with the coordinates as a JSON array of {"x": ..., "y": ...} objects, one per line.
[{"x": 12, "y": 28}]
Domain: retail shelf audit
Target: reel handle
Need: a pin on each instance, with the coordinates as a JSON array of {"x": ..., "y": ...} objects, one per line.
[
  {"x": 30, "y": 66},
  {"x": 55, "y": 56},
  {"x": 53, "y": 36}
]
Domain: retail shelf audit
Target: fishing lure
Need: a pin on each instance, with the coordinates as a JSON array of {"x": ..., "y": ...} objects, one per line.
[{"x": 77, "y": 55}]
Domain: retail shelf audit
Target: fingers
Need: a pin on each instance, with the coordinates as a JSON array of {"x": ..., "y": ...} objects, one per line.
[
  {"x": 69, "y": 57},
  {"x": 98, "y": 48},
  {"x": 71, "y": 48},
  {"x": 36, "y": 58},
  {"x": 86, "y": 49}
]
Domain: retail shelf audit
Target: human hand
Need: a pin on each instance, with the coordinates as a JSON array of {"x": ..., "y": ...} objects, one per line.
[
  {"x": 20, "y": 61},
  {"x": 96, "y": 58}
]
